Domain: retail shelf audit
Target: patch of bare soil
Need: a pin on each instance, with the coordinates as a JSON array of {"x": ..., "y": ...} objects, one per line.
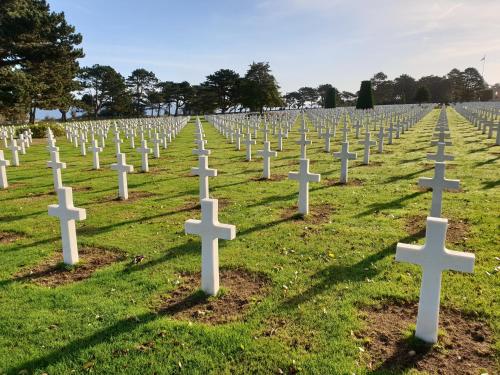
[
  {"x": 318, "y": 214},
  {"x": 458, "y": 230},
  {"x": 133, "y": 196},
  {"x": 53, "y": 272},
  {"x": 465, "y": 347},
  {"x": 239, "y": 290},
  {"x": 9, "y": 237},
  {"x": 274, "y": 177},
  {"x": 335, "y": 182}
]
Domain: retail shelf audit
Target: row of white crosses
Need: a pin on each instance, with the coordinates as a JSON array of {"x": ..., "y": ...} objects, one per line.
[
  {"x": 65, "y": 209},
  {"x": 485, "y": 116},
  {"x": 25, "y": 141},
  {"x": 208, "y": 228},
  {"x": 434, "y": 257}
]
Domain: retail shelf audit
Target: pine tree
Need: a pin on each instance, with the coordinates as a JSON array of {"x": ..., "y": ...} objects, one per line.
[{"x": 331, "y": 98}]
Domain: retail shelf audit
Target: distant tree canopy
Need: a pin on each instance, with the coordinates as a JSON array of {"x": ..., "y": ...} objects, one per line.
[{"x": 422, "y": 95}]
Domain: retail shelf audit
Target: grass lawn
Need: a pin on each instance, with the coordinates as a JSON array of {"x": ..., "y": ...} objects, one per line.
[{"x": 322, "y": 273}]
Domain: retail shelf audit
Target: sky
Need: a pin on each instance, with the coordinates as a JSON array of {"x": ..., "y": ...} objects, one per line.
[{"x": 306, "y": 42}]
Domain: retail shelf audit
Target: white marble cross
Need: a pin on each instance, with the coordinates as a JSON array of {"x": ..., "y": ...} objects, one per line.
[
  {"x": 438, "y": 183},
  {"x": 266, "y": 154},
  {"x": 303, "y": 127},
  {"x": 14, "y": 148},
  {"x": 95, "y": 149},
  {"x": 303, "y": 142},
  {"x": 344, "y": 155},
  {"x": 22, "y": 144},
  {"x": 281, "y": 135},
  {"x": 304, "y": 177},
  {"x": 248, "y": 143},
  {"x": 156, "y": 145},
  {"x": 327, "y": 135},
  {"x": 367, "y": 143},
  {"x": 122, "y": 168},
  {"x": 144, "y": 151},
  {"x": 201, "y": 148},
  {"x": 210, "y": 230},
  {"x": 3, "y": 171},
  {"x": 131, "y": 136},
  {"x": 238, "y": 137},
  {"x": 83, "y": 147},
  {"x": 56, "y": 166},
  {"x": 440, "y": 155},
  {"x": 434, "y": 258},
  {"x": 67, "y": 214},
  {"x": 381, "y": 134},
  {"x": 204, "y": 172},
  {"x": 118, "y": 142}
]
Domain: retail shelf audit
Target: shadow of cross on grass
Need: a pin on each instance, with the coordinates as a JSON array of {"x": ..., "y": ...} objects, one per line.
[
  {"x": 324, "y": 279},
  {"x": 72, "y": 349},
  {"x": 395, "y": 203}
]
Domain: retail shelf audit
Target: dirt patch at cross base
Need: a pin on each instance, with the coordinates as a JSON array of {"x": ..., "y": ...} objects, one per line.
[
  {"x": 133, "y": 196},
  {"x": 53, "y": 272},
  {"x": 466, "y": 346},
  {"x": 274, "y": 177},
  {"x": 457, "y": 229},
  {"x": 335, "y": 182},
  {"x": 194, "y": 205},
  {"x": 318, "y": 214},
  {"x": 241, "y": 289},
  {"x": 9, "y": 237}
]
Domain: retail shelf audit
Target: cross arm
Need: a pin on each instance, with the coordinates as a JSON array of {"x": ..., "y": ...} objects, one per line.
[
  {"x": 226, "y": 231},
  {"x": 408, "y": 253},
  {"x": 192, "y": 226},
  {"x": 459, "y": 261},
  {"x": 314, "y": 177}
]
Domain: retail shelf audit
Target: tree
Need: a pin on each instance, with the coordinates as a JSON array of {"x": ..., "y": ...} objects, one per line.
[
  {"x": 225, "y": 84},
  {"x": 181, "y": 94},
  {"x": 439, "y": 88},
  {"x": 365, "y": 97},
  {"x": 331, "y": 98},
  {"x": 422, "y": 95},
  {"x": 40, "y": 46},
  {"x": 473, "y": 84},
  {"x": 259, "y": 88},
  {"x": 457, "y": 86},
  {"x": 309, "y": 94},
  {"x": 104, "y": 90},
  {"x": 348, "y": 98},
  {"x": 323, "y": 92},
  {"x": 293, "y": 100},
  {"x": 203, "y": 100},
  {"x": 405, "y": 88},
  {"x": 140, "y": 83}
]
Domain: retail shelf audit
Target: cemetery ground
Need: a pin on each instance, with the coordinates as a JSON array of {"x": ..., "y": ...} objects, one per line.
[{"x": 316, "y": 295}]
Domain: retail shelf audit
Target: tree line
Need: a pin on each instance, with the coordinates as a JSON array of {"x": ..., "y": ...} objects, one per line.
[{"x": 39, "y": 69}]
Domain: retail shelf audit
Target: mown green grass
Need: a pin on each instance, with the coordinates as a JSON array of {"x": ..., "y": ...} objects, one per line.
[{"x": 330, "y": 270}]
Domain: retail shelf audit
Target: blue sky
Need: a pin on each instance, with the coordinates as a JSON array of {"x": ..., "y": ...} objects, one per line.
[{"x": 307, "y": 42}]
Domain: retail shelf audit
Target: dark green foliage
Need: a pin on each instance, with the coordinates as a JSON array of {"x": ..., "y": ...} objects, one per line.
[
  {"x": 423, "y": 95},
  {"x": 331, "y": 98},
  {"x": 40, "y": 130},
  {"x": 225, "y": 85},
  {"x": 365, "y": 97},
  {"x": 259, "y": 88}
]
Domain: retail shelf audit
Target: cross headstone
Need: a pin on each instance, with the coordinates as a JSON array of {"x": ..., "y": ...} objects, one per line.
[
  {"x": 327, "y": 135},
  {"x": 118, "y": 141},
  {"x": 210, "y": 230},
  {"x": 381, "y": 134},
  {"x": 14, "y": 149},
  {"x": 367, "y": 143},
  {"x": 156, "y": 145},
  {"x": 440, "y": 155},
  {"x": 303, "y": 142},
  {"x": 95, "y": 149},
  {"x": 201, "y": 148},
  {"x": 83, "y": 147},
  {"x": 281, "y": 135},
  {"x": 344, "y": 155},
  {"x": 144, "y": 151},
  {"x": 56, "y": 166},
  {"x": 67, "y": 214},
  {"x": 304, "y": 177},
  {"x": 438, "y": 184},
  {"x": 3, "y": 171},
  {"x": 266, "y": 154},
  {"x": 248, "y": 143},
  {"x": 434, "y": 258},
  {"x": 122, "y": 168},
  {"x": 204, "y": 172}
]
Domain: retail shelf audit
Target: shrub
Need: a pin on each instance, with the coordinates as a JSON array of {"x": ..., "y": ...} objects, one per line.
[
  {"x": 331, "y": 98},
  {"x": 365, "y": 98},
  {"x": 40, "y": 130}
]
